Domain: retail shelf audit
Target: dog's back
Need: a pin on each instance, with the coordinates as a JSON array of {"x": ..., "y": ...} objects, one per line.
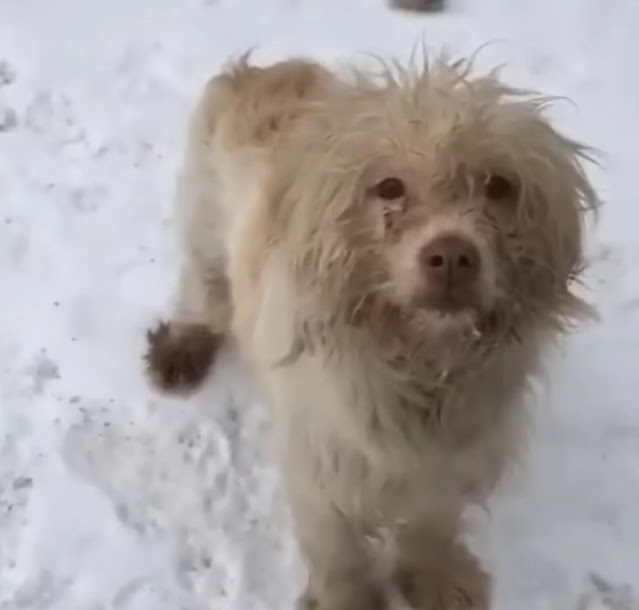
[
  {"x": 234, "y": 131},
  {"x": 251, "y": 106}
]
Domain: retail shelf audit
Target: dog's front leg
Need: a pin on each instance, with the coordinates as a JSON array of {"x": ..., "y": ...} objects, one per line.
[
  {"x": 335, "y": 553},
  {"x": 436, "y": 571},
  {"x": 180, "y": 351}
]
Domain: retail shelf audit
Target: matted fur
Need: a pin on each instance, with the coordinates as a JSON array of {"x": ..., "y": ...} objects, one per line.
[{"x": 386, "y": 413}]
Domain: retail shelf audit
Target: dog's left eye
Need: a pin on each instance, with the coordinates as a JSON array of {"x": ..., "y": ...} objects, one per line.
[
  {"x": 498, "y": 188},
  {"x": 390, "y": 188}
]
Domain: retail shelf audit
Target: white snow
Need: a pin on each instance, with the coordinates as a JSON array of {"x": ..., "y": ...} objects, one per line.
[{"x": 112, "y": 497}]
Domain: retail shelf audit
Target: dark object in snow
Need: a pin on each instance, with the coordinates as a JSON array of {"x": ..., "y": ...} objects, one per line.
[{"x": 420, "y": 6}]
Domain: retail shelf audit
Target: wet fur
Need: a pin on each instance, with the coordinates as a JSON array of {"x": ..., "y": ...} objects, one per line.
[{"x": 385, "y": 416}]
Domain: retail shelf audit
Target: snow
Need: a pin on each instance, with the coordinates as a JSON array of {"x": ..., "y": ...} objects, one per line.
[{"x": 114, "y": 497}]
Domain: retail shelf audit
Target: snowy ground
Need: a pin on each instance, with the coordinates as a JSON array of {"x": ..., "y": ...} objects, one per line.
[{"x": 111, "y": 497}]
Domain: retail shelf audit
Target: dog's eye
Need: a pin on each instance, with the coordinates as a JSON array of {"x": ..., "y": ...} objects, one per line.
[
  {"x": 498, "y": 188},
  {"x": 390, "y": 188}
]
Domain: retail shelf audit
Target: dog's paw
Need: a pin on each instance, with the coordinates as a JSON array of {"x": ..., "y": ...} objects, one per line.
[
  {"x": 353, "y": 598},
  {"x": 179, "y": 356},
  {"x": 458, "y": 584}
]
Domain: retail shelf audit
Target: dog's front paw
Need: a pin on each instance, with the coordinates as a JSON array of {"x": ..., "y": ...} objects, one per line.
[
  {"x": 350, "y": 598},
  {"x": 459, "y": 583},
  {"x": 179, "y": 356}
]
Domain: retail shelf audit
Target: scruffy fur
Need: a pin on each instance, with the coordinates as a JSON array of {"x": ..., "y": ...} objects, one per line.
[{"x": 389, "y": 412}]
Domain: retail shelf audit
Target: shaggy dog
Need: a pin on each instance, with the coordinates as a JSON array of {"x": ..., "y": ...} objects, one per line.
[{"x": 394, "y": 253}]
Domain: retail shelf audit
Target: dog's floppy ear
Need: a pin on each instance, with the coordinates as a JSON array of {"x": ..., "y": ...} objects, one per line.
[{"x": 556, "y": 201}]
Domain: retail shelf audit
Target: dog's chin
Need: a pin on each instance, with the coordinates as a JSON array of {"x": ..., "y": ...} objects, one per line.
[
  {"x": 451, "y": 315},
  {"x": 444, "y": 321},
  {"x": 418, "y": 317}
]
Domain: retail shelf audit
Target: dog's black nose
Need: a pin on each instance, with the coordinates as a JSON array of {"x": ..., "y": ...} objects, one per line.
[{"x": 451, "y": 264}]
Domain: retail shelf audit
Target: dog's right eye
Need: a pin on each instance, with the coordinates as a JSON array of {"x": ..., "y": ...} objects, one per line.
[
  {"x": 498, "y": 188},
  {"x": 390, "y": 188}
]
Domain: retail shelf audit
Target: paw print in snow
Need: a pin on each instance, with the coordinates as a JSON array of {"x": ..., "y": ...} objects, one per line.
[
  {"x": 42, "y": 370},
  {"x": 604, "y": 595},
  {"x": 7, "y": 75},
  {"x": 8, "y": 118}
]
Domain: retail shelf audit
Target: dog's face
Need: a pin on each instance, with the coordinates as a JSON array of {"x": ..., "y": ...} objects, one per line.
[
  {"x": 436, "y": 239},
  {"x": 440, "y": 197}
]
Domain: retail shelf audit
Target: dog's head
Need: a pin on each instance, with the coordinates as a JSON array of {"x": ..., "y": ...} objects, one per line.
[{"x": 437, "y": 195}]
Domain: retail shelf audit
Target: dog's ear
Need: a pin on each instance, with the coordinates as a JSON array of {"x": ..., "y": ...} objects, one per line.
[
  {"x": 556, "y": 201},
  {"x": 571, "y": 198}
]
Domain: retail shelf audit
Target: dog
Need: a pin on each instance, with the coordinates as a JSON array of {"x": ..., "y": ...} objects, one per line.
[{"x": 395, "y": 252}]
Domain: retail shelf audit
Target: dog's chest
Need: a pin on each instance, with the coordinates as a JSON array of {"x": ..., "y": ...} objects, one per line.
[{"x": 353, "y": 429}]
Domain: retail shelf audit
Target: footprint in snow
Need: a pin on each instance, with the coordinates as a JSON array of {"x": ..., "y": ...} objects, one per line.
[
  {"x": 8, "y": 118},
  {"x": 7, "y": 74},
  {"x": 605, "y": 595},
  {"x": 42, "y": 370}
]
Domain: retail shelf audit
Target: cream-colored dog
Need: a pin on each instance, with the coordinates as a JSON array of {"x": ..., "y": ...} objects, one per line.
[{"x": 394, "y": 254}]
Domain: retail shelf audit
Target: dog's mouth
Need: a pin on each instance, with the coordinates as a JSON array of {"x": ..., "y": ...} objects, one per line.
[
  {"x": 450, "y": 302},
  {"x": 389, "y": 318}
]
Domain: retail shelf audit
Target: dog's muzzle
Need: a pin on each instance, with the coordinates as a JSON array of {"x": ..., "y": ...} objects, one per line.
[{"x": 451, "y": 267}]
